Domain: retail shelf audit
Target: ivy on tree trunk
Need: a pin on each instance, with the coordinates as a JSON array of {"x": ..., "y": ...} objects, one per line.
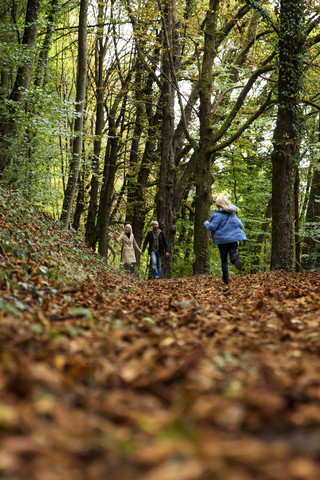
[
  {"x": 287, "y": 134},
  {"x": 203, "y": 176}
]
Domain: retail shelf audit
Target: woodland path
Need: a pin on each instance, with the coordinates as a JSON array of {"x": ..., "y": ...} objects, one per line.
[{"x": 179, "y": 379}]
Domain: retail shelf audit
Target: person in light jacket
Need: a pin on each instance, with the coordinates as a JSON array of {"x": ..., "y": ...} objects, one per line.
[
  {"x": 226, "y": 231},
  {"x": 129, "y": 245}
]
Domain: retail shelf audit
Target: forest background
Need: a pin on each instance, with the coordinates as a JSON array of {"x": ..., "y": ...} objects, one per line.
[{"x": 122, "y": 112}]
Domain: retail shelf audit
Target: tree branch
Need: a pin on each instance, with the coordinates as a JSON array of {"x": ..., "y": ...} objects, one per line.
[
  {"x": 312, "y": 26},
  {"x": 224, "y": 128},
  {"x": 264, "y": 14},
  {"x": 244, "y": 127}
]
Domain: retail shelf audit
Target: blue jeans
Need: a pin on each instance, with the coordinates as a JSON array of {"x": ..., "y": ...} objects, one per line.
[
  {"x": 225, "y": 249},
  {"x": 156, "y": 263}
]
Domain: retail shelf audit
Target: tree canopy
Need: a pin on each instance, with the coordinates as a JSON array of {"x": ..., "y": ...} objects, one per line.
[{"x": 121, "y": 111}]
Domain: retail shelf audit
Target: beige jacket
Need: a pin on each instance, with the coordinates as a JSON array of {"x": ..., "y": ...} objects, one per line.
[{"x": 129, "y": 245}]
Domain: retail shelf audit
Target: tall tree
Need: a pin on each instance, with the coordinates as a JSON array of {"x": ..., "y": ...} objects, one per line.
[
  {"x": 166, "y": 142},
  {"x": 137, "y": 214},
  {"x": 143, "y": 151},
  {"x": 170, "y": 60},
  {"x": 219, "y": 119},
  {"x": 311, "y": 248},
  {"x": 78, "y": 125},
  {"x": 115, "y": 120},
  {"x": 7, "y": 39},
  {"x": 203, "y": 176},
  {"x": 293, "y": 32},
  {"x": 287, "y": 134},
  {"x": 109, "y": 171},
  {"x": 99, "y": 85},
  {"x": 22, "y": 82},
  {"x": 41, "y": 71}
]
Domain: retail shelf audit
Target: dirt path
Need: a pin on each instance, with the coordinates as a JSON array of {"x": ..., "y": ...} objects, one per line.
[{"x": 169, "y": 380}]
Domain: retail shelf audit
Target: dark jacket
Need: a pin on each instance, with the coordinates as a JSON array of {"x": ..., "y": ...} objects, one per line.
[{"x": 163, "y": 246}]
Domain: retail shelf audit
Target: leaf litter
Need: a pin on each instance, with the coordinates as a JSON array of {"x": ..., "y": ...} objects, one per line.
[{"x": 106, "y": 376}]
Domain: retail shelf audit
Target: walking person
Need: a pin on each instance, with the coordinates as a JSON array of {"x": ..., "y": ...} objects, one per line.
[
  {"x": 157, "y": 248},
  {"x": 129, "y": 245},
  {"x": 226, "y": 230}
]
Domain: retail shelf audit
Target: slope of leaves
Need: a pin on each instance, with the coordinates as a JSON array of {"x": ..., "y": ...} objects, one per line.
[{"x": 105, "y": 376}]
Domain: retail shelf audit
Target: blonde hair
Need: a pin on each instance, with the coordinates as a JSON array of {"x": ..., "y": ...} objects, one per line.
[
  {"x": 128, "y": 225},
  {"x": 224, "y": 203}
]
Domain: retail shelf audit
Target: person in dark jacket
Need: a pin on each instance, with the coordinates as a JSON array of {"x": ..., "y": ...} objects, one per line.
[
  {"x": 226, "y": 230},
  {"x": 157, "y": 247}
]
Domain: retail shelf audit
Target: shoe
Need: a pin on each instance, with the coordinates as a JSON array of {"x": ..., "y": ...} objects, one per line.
[
  {"x": 226, "y": 280},
  {"x": 237, "y": 262}
]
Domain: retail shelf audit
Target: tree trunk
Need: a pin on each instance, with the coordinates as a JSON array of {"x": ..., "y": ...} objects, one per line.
[
  {"x": 78, "y": 126},
  {"x": 261, "y": 238},
  {"x": 7, "y": 15},
  {"x": 22, "y": 81},
  {"x": 203, "y": 176},
  {"x": 80, "y": 201},
  {"x": 24, "y": 73},
  {"x": 203, "y": 199},
  {"x": 110, "y": 166},
  {"x": 41, "y": 72},
  {"x": 91, "y": 233},
  {"x": 286, "y": 138},
  {"x": 107, "y": 189},
  {"x": 148, "y": 159},
  {"x": 134, "y": 150},
  {"x": 311, "y": 245},
  {"x": 167, "y": 176},
  {"x": 297, "y": 244}
]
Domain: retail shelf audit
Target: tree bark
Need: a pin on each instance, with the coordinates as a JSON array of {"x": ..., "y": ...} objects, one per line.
[
  {"x": 167, "y": 177},
  {"x": 134, "y": 160},
  {"x": 22, "y": 81},
  {"x": 80, "y": 201},
  {"x": 7, "y": 17},
  {"x": 90, "y": 230},
  {"x": 286, "y": 138},
  {"x": 311, "y": 245},
  {"x": 78, "y": 126},
  {"x": 297, "y": 243},
  {"x": 310, "y": 259},
  {"x": 107, "y": 189},
  {"x": 261, "y": 238},
  {"x": 41, "y": 71},
  {"x": 203, "y": 176},
  {"x": 109, "y": 171},
  {"x": 24, "y": 73}
]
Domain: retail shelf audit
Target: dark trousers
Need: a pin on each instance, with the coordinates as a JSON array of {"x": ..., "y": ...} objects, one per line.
[
  {"x": 130, "y": 267},
  {"x": 225, "y": 249}
]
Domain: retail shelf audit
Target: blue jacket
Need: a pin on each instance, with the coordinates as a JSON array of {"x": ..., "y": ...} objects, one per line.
[{"x": 225, "y": 227}]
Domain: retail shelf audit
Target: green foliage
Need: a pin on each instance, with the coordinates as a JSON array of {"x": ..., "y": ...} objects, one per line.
[
  {"x": 243, "y": 173},
  {"x": 40, "y": 147},
  {"x": 183, "y": 248},
  {"x": 21, "y": 238},
  {"x": 35, "y": 147}
]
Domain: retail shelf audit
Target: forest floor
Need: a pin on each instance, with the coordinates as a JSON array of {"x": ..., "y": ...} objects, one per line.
[{"x": 103, "y": 376}]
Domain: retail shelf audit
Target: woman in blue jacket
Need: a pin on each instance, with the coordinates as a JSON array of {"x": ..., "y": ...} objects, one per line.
[{"x": 226, "y": 231}]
